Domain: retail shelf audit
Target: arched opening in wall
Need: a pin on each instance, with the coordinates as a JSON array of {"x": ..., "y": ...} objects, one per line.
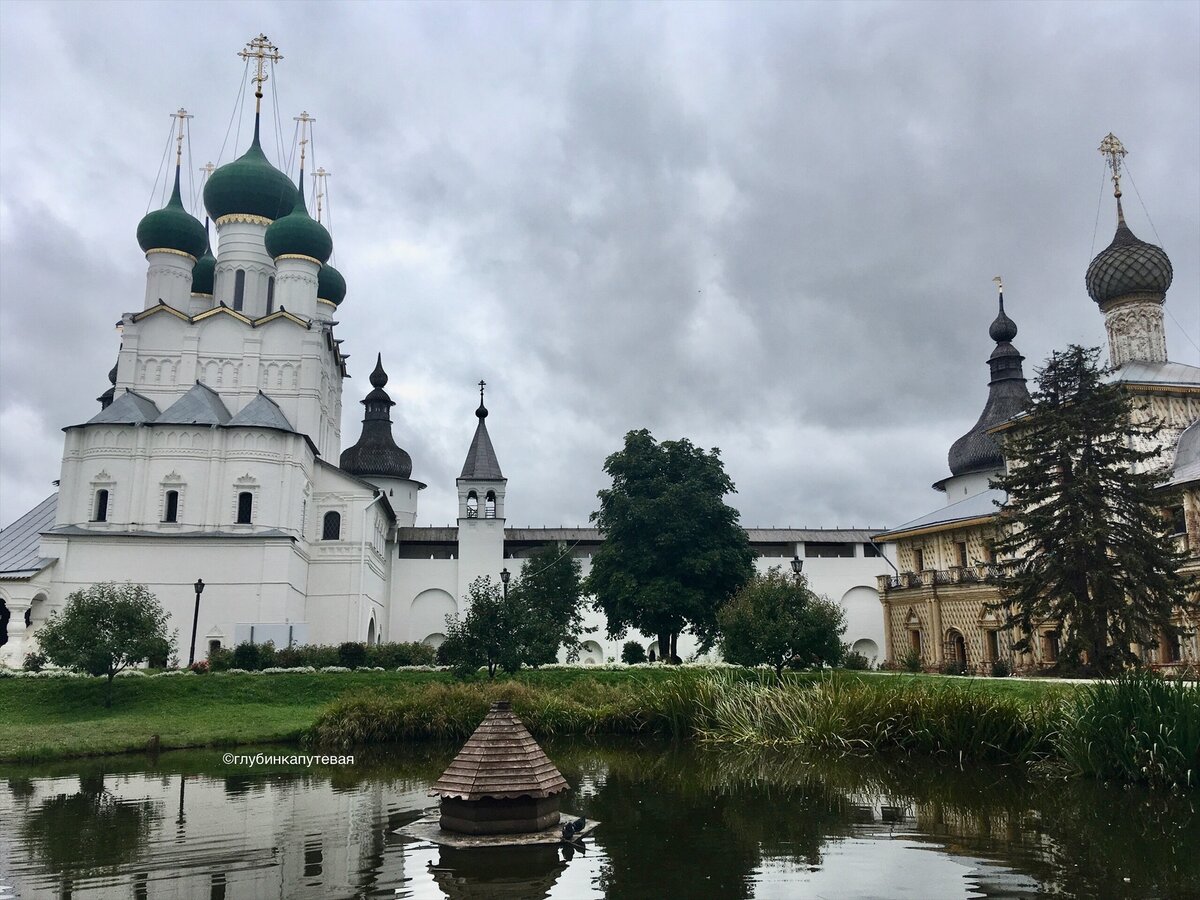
[
  {"x": 591, "y": 654},
  {"x": 331, "y": 527},
  {"x": 245, "y": 508},
  {"x": 100, "y": 509},
  {"x": 5, "y": 615},
  {"x": 434, "y": 640},
  {"x": 956, "y": 649},
  {"x": 239, "y": 289},
  {"x": 472, "y": 505},
  {"x": 371, "y": 632},
  {"x": 271, "y": 294},
  {"x": 654, "y": 652},
  {"x": 489, "y": 505},
  {"x": 867, "y": 648},
  {"x": 171, "y": 507}
]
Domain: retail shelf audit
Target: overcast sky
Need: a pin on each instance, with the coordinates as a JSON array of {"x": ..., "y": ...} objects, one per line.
[{"x": 769, "y": 228}]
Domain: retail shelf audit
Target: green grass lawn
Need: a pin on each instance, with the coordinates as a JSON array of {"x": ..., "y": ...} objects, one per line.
[{"x": 53, "y": 718}]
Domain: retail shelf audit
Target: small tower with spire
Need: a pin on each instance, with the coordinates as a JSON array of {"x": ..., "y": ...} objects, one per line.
[
  {"x": 480, "y": 506},
  {"x": 376, "y": 457},
  {"x": 975, "y": 458},
  {"x": 1129, "y": 280},
  {"x": 172, "y": 239}
]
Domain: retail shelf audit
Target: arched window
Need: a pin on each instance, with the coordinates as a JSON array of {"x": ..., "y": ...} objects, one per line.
[
  {"x": 271, "y": 295},
  {"x": 29, "y": 617},
  {"x": 472, "y": 505},
  {"x": 239, "y": 289},
  {"x": 101, "y": 508},
  {"x": 245, "y": 507},
  {"x": 371, "y": 633},
  {"x": 331, "y": 527},
  {"x": 489, "y": 505},
  {"x": 171, "y": 507}
]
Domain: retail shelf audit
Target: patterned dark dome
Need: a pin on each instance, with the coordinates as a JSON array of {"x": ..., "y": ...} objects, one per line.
[
  {"x": 376, "y": 453},
  {"x": 1127, "y": 266}
]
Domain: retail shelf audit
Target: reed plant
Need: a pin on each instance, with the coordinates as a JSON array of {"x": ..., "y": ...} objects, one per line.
[{"x": 1137, "y": 729}]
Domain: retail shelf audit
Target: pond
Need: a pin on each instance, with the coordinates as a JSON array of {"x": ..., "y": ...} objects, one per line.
[{"x": 675, "y": 821}]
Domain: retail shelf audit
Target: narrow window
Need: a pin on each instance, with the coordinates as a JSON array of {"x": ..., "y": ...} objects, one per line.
[
  {"x": 915, "y": 640},
  {"x": 213, "y": 646},
  {"x": 331, "y": 527},
  {"x": 993, "y": 645},
  {"x": 239, "y": 289},
  {"x": 29, "y": 617},
  {"x": 271, "y": 295},
  {"x": 171, "y": 507},
  {"x": 918, "y": 560},
  {"x": 101, "y": 507},
  {"x": 489, "y": 505},
  {"x": 1050, "y": 646},
  {"x": 245, "y": 507},
  {"x": 962, "y": 553},
  {"x": 472, "y": 505}
]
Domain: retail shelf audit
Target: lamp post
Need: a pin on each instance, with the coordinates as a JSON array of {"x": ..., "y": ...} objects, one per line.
[
  {"x": 797, "y": 566},
  {"x": 504, "y": 576},
  {"x": 199, "y": 586}
]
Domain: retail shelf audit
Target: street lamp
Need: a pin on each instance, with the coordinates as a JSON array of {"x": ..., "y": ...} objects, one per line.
[
  {"x": 199, "y": 587},
  {"x": 797, "y": 565},
  {"x": 504, "y": 576}
]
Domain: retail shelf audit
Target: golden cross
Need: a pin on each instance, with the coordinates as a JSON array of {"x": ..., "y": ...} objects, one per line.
[
  {"x": 305, "y": 121},
  {"x": 260, "y": 50},
  {"x": 1114, "y": 150},
  {"x": 181, "y": 114},
  {"x": 319, "y": 177}
]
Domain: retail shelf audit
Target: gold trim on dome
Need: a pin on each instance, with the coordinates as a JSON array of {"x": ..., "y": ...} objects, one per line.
[
  {"x": 302, "y": 256},
  {"x": 329, "y": 302},
  {"x": 173, "y": 252},
  {"x": 244, "y": 218}
]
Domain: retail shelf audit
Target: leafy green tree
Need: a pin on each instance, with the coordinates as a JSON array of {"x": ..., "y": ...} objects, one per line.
[
  {"x": 104, "y": 629},
  {"x": 633, "y": 653},
  {"x": 673, "y": 551},
  {"x": 548, "y": 596},
  {"x": 482, "y": 636},
  {"x": 777, "y": 620},
  {"x": 1082, "y": 523}
]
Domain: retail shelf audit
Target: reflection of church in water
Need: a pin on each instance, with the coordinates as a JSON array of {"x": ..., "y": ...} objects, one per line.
[{"x": 216, "y": 455}]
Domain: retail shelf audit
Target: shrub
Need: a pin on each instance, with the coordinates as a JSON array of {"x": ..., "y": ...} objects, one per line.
[
  {"x": 220, "y": 660},
  {"x": 856, "y": 661},
  {"x": 395, "y": 655},
  {"x": 954, "y": 667},
  {"x": 245, "y": 656},
  {"x": 159, "y": 653},
  {"x": 910, "y": 660},
  {"x": 352, "y": 655},
  {"x": 34, "y": 662},
  {"x": 1001, "y": 668},
  {"x": 200, "y": 667},
  {"x": 633, "y": 653}
]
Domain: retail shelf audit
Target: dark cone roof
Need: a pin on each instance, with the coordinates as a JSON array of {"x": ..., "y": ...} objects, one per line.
[
  {"x": 481, "y": 459},
  {"x": 376, "y": 453},
  {"x": 977, "y": 451},
  {"x": 500, "y": 760},
  {"x": 1127, "y": 266}
]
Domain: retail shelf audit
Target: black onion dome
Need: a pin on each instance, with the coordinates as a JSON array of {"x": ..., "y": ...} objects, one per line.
[
  {"x": 1127, "y": 266},
  {"x": 977, "y": 451},
  {"x": 376, "y": 453}
]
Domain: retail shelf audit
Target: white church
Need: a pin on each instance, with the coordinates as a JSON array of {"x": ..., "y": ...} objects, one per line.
[{"x": 217, "y": 456}]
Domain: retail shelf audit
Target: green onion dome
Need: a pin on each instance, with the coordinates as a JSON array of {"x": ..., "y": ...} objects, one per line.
[
  {"x": 203, "y": 271},
  {"x": 331, "y": 285},
  {"x": 249, "y": 185},
  {"x": 172, "y": 228},
  {"x": 298, "y": 233}
]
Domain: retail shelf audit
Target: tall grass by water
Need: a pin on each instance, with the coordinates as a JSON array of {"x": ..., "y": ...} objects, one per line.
[{"x": 1139, "y": 728}]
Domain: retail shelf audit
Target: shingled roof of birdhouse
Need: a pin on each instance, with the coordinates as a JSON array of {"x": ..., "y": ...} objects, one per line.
[{"x": 500, "y": 760}]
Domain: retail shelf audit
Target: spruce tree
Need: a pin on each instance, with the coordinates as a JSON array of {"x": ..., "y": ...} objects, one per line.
[{"x": 1082, "y": 523}]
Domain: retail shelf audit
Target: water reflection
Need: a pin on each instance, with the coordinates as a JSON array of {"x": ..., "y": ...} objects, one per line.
[{"x": 676, "y": 821}]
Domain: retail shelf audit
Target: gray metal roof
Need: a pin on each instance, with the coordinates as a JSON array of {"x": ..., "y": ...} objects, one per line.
[
  {"x": 79, "y": 531},
  {"x": 20, "y": 544},
  {"x": 481, "y": 462},
  {"x": 262, "y": 412},
  {"x": 201, "y": 405},
  {"x": 130, "y": 408},
  {"x": 1159, "y": 373},
  {"x": 981, "y": 504},
  {"x": 1187, "y": 457},
  {"x": 449, "y": 534}
]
